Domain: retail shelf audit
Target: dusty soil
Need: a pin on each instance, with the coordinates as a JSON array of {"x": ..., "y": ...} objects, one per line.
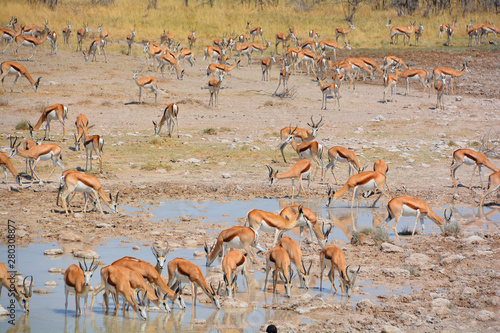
[{"x": 457, "y": 284}]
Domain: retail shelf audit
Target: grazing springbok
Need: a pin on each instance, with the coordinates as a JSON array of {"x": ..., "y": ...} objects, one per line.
[
  {"x": 408, "y": 206},
  {"x": 13, "y": 68},
  {"x": 341, "y": 154},
  {"x": 311, "y": 222},
  {"x": 170, "y": 116},
  {"x": 364, "y": 181},
  {"x": 332, "y": 257},
  {"x": 278, "y": 260},
  {"x": 5, "y": 163},
  {"x": 185, "y": 271},
  {"x": 234, "y": 263},
  {"x": 53, "y": 112},
  {"x": 234, "y": 238},
  {"x": 23, "y": 296},
  {"x": 39, "y": 153},
  {"x": 301, "y": 169},
  {"x": 470, "y": 157},
  {"x": 293, "y": 249},
  {"x": 82, "y": 182}
]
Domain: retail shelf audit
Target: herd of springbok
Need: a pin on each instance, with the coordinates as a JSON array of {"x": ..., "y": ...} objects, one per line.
[{"x": 137, "y": 280}]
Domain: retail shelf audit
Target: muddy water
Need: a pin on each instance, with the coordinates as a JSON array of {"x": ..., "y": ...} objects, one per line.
[{"x": 48, "y": 313}]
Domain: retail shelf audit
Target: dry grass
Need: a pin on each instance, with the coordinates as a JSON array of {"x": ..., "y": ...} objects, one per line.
[{"x": 232, "y": 16}]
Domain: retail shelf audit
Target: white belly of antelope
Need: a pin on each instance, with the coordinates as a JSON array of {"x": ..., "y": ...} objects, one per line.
[
  {"x": 371, "y": 185},
  {"x": 266, "y": 227},
  {"x": 469, "y": 161},
  {"x": 81, "y": 187},
  {"x": 46, "y": 157},
  {"x": 326, "y": 263},
  {"x": 235, "y": 243},
  {"x": 340, "y": 159},
  {"x": 182, "y": 278},
  {"x": 408, "y": 211}
]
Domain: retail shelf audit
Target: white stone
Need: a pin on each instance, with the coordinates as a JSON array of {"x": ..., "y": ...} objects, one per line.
[
  {"x": 53, "y": 252},
  {"x": 226, "y": 175},
  {"x": 87, "y": 254},
  {"x": 390, "y": 248},
  {"x": 51, "y": 283}
]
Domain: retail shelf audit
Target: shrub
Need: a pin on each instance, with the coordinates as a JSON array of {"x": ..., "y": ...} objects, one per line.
[
  {"x": 210, "y": 131},
  {"x": 22, "y": 125}
]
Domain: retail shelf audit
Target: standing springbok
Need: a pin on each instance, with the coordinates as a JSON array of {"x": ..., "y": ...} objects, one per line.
[{"x": 77, "y": 281}]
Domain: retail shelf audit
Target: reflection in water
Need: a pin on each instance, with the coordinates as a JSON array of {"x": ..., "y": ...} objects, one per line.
[{"x": 246, "y": 315}]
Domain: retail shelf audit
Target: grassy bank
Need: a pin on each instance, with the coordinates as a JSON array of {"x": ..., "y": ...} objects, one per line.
[{"x": 228, "y": 17}]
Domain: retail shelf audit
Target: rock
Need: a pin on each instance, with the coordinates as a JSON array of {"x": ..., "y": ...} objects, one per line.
[
  {"x": 51, "y": 283},
  {"x": 104, "y": 225},
  {"x": 3, "y": 312},
  {"x": 441, "y": 306},
  {"x": 199, "y": 254},
  {"x": 365, "y": 305},
  {"x": 468, "y": 292},
  {"x": 191, "y": 243},
  {"x": 315, "y": 304},
  {"x": 393, "y": 272},
  {"x": 485, "y": 315},
  {"x": 136, "y": 248},
  {"x": 226, "y": 175},
  {"x": 442, "y": 135},
  {"x": 231, "y": 146},
  {"x": 53, "y": 252},
  {"x": 390, "y": 329},
  {"x": 56, "y": 270},
  {"x": 42, "y": 291},
  {"x": 418, "y": 259},
  {"x": 235, "y": 303},
  {"x": 474, "y": 240},
  {"x": 425, "y": 165},
  {"x": 453, "y": 259},
  {"x": 86, "y": 254},
  {"x": 222, "y": 163},
  {"x": 389, "y": 248},
  {"x": 21, "y": 233},
  {"x": 458, "y": 98},
  {"x": 192, "y": 160},
  {"x": 255, "y": 148},
  {"x": 378, "y": 118},
  {"x": 68, "y": 236}
]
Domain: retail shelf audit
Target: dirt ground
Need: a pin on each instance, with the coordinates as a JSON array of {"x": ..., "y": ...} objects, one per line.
[{"x": 456, "y": 280}]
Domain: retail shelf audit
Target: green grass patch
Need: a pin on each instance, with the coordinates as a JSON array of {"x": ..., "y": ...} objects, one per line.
[
  {"x": 22, "y": 125},
  {"x": 210, "y": 131},
  {"x": 152, "y": 166}
]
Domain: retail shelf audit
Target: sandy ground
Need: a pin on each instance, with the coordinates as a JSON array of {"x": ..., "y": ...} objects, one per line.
[{"x": 457, "y": 278}]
